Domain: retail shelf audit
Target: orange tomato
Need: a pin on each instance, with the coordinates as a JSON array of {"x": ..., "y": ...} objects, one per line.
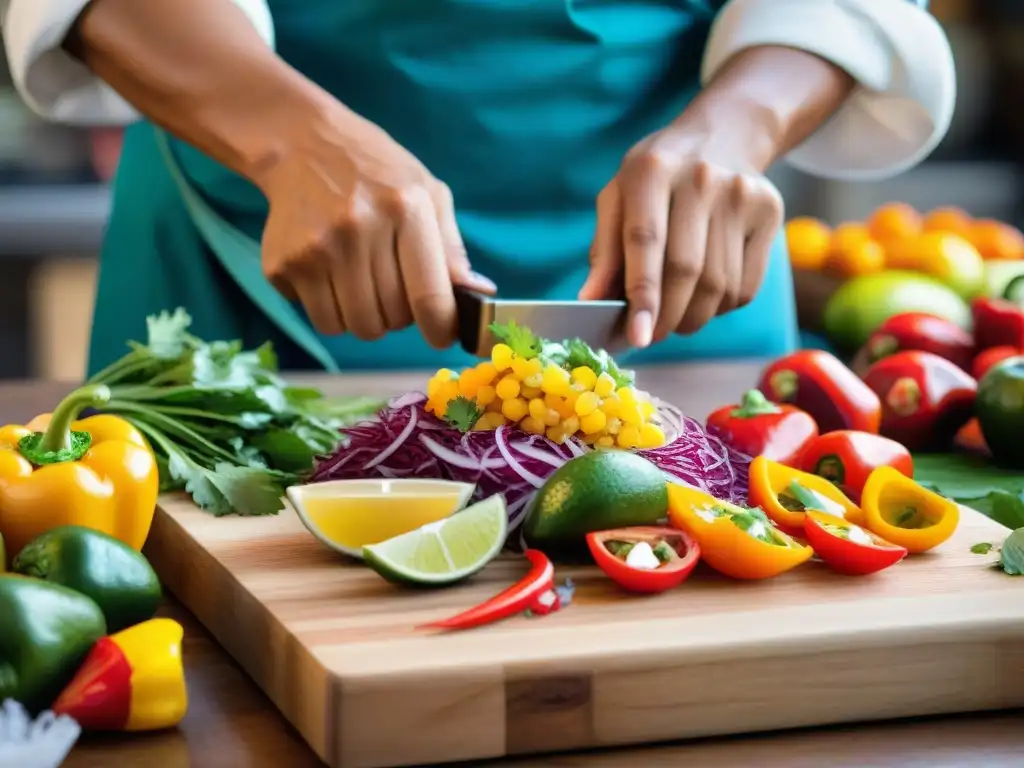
[
  {"x": 996, "y": 240},
  {"x": 894, "y": 221},
  {"x": 943, "y": 255},
  {"x": 949, "y": 219},
  {"x": 851, "y": 234},
  {"x": 864, "y": 258},
  {"x": 808, "y": 242}
]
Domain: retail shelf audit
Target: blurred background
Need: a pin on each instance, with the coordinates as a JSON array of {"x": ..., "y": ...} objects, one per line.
[{"x": 54, "y": 197}]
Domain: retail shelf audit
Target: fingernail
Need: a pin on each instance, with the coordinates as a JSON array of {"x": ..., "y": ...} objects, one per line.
[
  {"x": 483, "y": 283},
  {"x": 643, "y": 328}
]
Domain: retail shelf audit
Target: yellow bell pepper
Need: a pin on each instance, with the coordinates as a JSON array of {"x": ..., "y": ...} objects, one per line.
[
  {"x": 771, "y": 485},
  {"x": 902, "y": 512},
  {"x": 96, "y": 472},
  {"x": 130, "y": 681},
  {"x": 734, "y": 541}
]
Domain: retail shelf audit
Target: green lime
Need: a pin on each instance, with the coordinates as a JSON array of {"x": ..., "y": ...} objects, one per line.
[
  {"x": 446, "y": 551},
  {"x": 597, "y": 491}
]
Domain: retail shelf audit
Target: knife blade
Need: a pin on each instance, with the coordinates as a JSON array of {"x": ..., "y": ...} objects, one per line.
[{"x": 601, "y": 324}]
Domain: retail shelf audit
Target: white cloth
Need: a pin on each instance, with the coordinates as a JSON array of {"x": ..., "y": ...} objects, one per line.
[
  {"x": 57, "y": 86},
  {"x": 897, "y": 52}
]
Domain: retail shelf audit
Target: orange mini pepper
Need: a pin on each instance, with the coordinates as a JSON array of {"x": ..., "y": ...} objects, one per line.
[
  {"x": 736, "y": 542},
  {"x": 906, "y": 514},
  {"x": 780, "y": 491},
  {"x": 130, "y": 681},
  {"x": 96, "y": 472}
]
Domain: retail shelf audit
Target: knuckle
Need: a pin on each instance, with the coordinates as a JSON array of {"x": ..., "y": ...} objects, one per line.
[
  {"x": 407, "y": 201},
  {"x": 642, "y": 291},
  {"x": 648, "y": 162},
  {"x": 712, "y": 283},
  {"x": 643, "y": 234},
  {"x": 680, "y": 270},
  {"x": 443, "y": 195},
  {"x": 706, "y": 177}
]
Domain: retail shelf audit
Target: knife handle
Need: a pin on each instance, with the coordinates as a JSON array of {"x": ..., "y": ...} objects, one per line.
[{"x": 469, "y": 306}]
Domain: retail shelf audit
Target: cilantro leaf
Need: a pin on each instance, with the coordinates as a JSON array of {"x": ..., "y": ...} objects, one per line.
[
  {"x": 520, "y": 338},
  {"x": 1011, "y": 557},
  {"x": 982, "y": 548},
  {"x": 974, "y": 482},
  {"x": 462, "y": 413},
  {"x": 167, "y": 334}
]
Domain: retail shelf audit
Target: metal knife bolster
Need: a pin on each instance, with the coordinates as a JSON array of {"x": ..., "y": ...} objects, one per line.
[{"x": 599, "y": 323}]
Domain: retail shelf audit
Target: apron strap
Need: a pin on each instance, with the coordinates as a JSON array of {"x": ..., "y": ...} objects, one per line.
[{"x": 239, "y": 254}]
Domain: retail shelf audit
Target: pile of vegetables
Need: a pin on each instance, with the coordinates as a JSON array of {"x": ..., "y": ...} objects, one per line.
[
  {"x": 464, "y": 430},
  {"x": 223, "y": 425}
]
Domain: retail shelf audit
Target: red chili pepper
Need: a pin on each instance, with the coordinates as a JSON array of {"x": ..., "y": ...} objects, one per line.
[
  {"x": 758, "y": 427},
  {"x": 925, "y": 398},
  {"x": 921, "y": 332},
  {"x": 818, "y": 383},
  {"x": 848, "y": 548},
  {"x": 970, "y": 438},
  {"x": 847, "y": 457},
  {"x": 997, "y": 323},
  {"x": 509, "y": 602},
  {"x": 990, "y": 357},
  {"x": 669, "y": 574}
]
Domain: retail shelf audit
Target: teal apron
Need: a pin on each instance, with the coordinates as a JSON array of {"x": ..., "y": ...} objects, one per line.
[{"x": 525, "y": 109}]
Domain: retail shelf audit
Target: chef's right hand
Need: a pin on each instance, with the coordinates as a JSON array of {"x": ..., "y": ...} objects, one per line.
[{"x": 363, "y": 235}]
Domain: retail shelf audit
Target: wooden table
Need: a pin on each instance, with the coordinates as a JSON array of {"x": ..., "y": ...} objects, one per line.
[{"x": 231, "y": 723}]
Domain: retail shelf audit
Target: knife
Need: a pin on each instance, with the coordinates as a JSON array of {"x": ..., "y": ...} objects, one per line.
[{"x": 601, "y": 324}]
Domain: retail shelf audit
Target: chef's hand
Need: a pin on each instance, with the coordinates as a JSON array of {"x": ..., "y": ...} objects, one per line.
[
  {"x": 363, "y": 235},
  {"x": 688, "y": 223}
]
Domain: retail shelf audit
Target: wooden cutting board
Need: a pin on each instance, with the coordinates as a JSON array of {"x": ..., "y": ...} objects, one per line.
[{"x": 333, "y": 645}]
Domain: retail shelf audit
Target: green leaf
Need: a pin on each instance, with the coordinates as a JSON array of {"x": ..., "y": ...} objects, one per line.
[
  {"x": 167, "y": 333},
  {"x": 982, "y": 548},
  {"x": 462, "y": 413},
  {"x": 974, "y": 482},
  {"x": 520, "y": 338},
  {"x": 285, "y": 450},
  {"x": 1012, "y": 555}
]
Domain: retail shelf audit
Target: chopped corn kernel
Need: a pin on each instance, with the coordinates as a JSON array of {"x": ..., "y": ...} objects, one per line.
[
  {"x": 628, "y": 437},
  {"x": 485, "y": 395},
  {"x": 486, "y": 372},
  {"x": 489, "y": 421},
  {"x": 555, "y": 434},
  {"x": 584, "y": 376},
  {"x": 604, "y": 386},
  {"x": 538, "y": 408},
  {"x": 514, "y": 409},
  {"x": 532, "y": 425},
  {"x": 651, "y": 436},
  {"x": 571, "y": 425},
  {"x": 605, "y": 441},
  {"x": 507, "y": 388},
  {"x": 611, "y": 406},
  {"x": 555, "y": 380},
  {"x": 593, "y": 422},
  {"x": 520, "y": 368},
  {"x": 627, "y": 395},
  {"x": 552, "y": 417},
  {"x": 586, "y": 403},
  {"x": 630, "y": 414},
  {"x": 530, "y": 392},
  {"x": 501, "y": 356},
  {"x": 534, "y": 380}
]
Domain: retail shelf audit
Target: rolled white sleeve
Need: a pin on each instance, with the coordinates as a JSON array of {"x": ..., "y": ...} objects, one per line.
[
  {"x": 59, "y": 87},
  {"x": 896, "y": 51}
]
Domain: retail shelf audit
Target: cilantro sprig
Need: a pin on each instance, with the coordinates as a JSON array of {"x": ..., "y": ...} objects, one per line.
[
  {"x": 462, "y": 413},
  {"x": 569, "y": 353},
  {"x": 224, "y": 426}
]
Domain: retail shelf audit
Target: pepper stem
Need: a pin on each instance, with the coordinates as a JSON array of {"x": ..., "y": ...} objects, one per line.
[
  {"x": 59, "y": 443},
  {"x": 754, "y": 403}
]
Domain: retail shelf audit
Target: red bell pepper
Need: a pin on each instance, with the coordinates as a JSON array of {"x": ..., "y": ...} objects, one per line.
[
  {"x": 516, "y": 599},
  {"x": 130, "y": 681},
  {"x": 758, "y": 427},
  {"x": 925, "y": 399},
  {"x": 848, "y": 548},
  {"x": 970, "y": 438},
  {"x": 992, "y": 356},
  {"x": 675, "y": 550},
  {"x": 997, "y": 323},
  {"x": 818, "y": 383},
  {"x": 921, "y": 332},
  {"x": 847, "y": 457}
]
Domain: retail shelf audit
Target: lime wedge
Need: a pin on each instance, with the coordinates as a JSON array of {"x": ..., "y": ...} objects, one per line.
[{"x": 446, "y": 551}]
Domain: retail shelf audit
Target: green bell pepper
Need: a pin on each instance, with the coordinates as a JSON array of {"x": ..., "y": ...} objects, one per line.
[
  {"x": 999, "y": 407},
  {"x": 46, "y": 631},
  {"x": 120, "y": 580}
]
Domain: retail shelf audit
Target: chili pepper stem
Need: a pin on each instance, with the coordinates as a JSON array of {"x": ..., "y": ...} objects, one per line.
[
  {"x": 57, "y": 436},
  {"x": 754, "y": 403}
]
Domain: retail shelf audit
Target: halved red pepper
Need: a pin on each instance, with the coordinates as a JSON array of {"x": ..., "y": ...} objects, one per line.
[
  {"x": 516, "y": 599},
  {"x": 818, "y": 383},
  {"x": 925, "y": 399},
  {"x": 674, "y": 550},
  {"x": 785, "y": 494},
  {"x": 759, "y": 427},
  {"x": 847, "y": 457},
  {"x": 848, "y": 548},
  {"x": 919, "y": 331},
  {"x": 997, "y": 323},
  {"x": 989, "y": 358}
]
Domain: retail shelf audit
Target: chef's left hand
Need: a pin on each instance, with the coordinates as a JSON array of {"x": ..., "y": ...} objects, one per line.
[{"x": 687, "y": 223}]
